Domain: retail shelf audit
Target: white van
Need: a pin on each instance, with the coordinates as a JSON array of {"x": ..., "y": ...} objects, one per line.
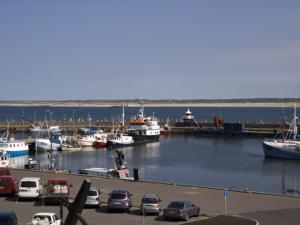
[{"x": 30, "y": 187}]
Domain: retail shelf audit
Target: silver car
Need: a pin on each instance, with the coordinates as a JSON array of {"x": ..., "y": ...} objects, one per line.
[
  {"x": 181, "y": 210},
  {"x": 93, "y": 199},
  {"x": 150, "y": 204},
  {"x": 119, "y": 199}
]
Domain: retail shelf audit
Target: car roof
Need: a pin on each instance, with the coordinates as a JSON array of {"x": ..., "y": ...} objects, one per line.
[
  {"x": 44, "y": 214},
  {"x": 7, "y": 176},
  {"x": 6, "y": 213},
  {"x": 94, "y": 189},
  {"x": 119, "y": 191},
  {"x": 30, "y": 178}
]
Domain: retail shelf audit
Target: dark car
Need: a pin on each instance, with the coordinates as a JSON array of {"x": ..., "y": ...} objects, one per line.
[
  {"x": 181, "y": 210},
  {"x": 8, "y": 185},
  {"x": 119, "y": 199},
  {"x": 8, "y": 218}
]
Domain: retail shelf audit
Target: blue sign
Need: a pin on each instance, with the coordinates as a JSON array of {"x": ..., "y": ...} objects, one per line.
[{"x": 226, "y": 193}]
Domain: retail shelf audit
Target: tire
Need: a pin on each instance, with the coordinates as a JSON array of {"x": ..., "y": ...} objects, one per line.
[
  {"x": 186, "y": 218},
  {"x": 198, "y": 212}
]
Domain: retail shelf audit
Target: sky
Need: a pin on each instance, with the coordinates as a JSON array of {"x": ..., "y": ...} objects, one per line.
[{"x": 155, "y": 49}]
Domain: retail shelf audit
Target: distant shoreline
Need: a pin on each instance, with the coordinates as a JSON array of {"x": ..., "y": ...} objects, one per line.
[{"x": 148, "y": 104}]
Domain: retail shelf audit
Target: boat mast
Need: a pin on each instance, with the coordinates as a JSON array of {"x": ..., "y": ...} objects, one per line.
[
  {"x": 123, "y": 115},
  {"x": 295, "y": 123}
]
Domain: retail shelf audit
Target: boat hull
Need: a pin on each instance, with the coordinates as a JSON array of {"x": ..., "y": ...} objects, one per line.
[
  {"x": 100, "y": 144},
  {"x": 111, "y": 144},
  {"x": 279, "y": 151},
  {"x": 144, "y": 138}
]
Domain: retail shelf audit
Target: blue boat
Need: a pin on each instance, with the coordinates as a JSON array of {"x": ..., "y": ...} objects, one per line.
[
  {"x": 288, "y": 147},
  {"x": 14, "y": 148}
]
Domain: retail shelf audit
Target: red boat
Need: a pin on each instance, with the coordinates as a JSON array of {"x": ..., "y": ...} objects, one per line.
[{"x": 166, "y": 130}]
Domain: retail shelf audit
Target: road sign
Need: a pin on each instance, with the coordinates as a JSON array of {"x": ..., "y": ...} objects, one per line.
[{"x": 226, "y": 193}]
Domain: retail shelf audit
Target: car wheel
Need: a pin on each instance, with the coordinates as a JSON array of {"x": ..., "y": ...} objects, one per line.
[
  {"x": 108, "y": 210},
  {"x": 186, "y": 218},
  {"x": 198, "y": 212},
  {"x": 157, "y": 214}
]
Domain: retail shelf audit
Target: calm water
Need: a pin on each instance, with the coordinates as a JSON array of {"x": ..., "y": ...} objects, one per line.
[{"x": 219, "y": 162}]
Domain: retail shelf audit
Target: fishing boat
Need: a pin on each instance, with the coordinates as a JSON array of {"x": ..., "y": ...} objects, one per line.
[
  {"x": 144, "y": 128},
  {"x": 288, "y": 146},
  {"x": 166, "y": 130},
  {"x": 4, "y": 159},
  {"x": 14, "y": 148},
  {"x": 119, "y": 139}
]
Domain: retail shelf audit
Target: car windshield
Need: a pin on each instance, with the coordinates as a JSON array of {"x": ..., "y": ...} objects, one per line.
[
  {"x": 28, "y": 184},
  {"x": 93, "y": 193},
  {"x": 42, "y": 217},
  {"x": 176, "y": 205},
  {"x": 149, "y": 200},
  {"x": 118, "y": 196}
]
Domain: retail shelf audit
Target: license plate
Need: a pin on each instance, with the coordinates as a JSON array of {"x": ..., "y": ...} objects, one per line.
[{"x": 117, "y": 203}]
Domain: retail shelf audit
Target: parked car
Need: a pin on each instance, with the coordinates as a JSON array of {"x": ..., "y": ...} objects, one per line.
[
  {"x": 150, "y": 204},
  {"x": 119, "y": 199},
  {"x": 8, "y": 185},
  {"x": 8, "y": 218},
  {"x": 5, "y": 171},
  {"x": 181, "y": 210},
  {"x": 93, "y": 198},
  {"x": 45, "y": 218},
  {"x": 30, "y": 187},
  {"x": 56, "y": 189}
]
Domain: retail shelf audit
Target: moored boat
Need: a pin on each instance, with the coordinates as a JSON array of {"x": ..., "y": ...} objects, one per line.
[
  {"x": 15, "y": 148},
  {"x": 287, "y": 147},
  {"x": 144, "y": 129},
  {"x": 166, "y": 130}
]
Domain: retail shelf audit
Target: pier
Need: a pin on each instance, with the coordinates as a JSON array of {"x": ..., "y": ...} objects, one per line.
[
  {"x": 206, "y": 129},
  {"x": 267, "y": 209}
]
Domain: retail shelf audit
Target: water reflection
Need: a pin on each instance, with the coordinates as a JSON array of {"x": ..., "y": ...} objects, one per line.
[{"x": 221, "y": 162}]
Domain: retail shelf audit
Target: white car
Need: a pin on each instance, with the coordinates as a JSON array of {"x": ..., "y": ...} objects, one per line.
[
  {"x": 30, "y": 187},
  {"x": 45, "y": 218}
]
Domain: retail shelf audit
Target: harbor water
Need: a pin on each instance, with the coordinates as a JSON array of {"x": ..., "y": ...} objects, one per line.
[
  {"x": 224, "y": 162},
  {"x": 237, "y": 163}
]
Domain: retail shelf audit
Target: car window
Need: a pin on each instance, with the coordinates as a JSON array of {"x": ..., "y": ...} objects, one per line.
[
  {"x": 118, "y": 196},
  {"x": 5, "y": 182},
  {"x": 28, "y": 184},
  {"x": 149, "y": 200},
  {"x": 93, "y": 193},
  {"x": 176, "y": 205}
]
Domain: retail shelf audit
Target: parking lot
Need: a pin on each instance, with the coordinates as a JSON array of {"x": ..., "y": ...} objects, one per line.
[{"x": 210, "y": 200}]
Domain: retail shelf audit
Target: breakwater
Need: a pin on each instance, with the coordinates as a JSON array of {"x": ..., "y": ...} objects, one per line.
[{"x": 207, "y": 129}]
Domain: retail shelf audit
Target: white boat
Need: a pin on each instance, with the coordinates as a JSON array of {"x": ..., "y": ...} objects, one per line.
[
  {"x": 144, "y": 129},
  {"x": 86, "y": 140},
  {"x": 44, "y": 144},
  {"x": 286, "y": 147},
  {"x": 4, "y": 159},
  {"x": 119, "y": 139},
  {"x": 14, "y": 148},
  {"x": 37, "y": 128}
]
